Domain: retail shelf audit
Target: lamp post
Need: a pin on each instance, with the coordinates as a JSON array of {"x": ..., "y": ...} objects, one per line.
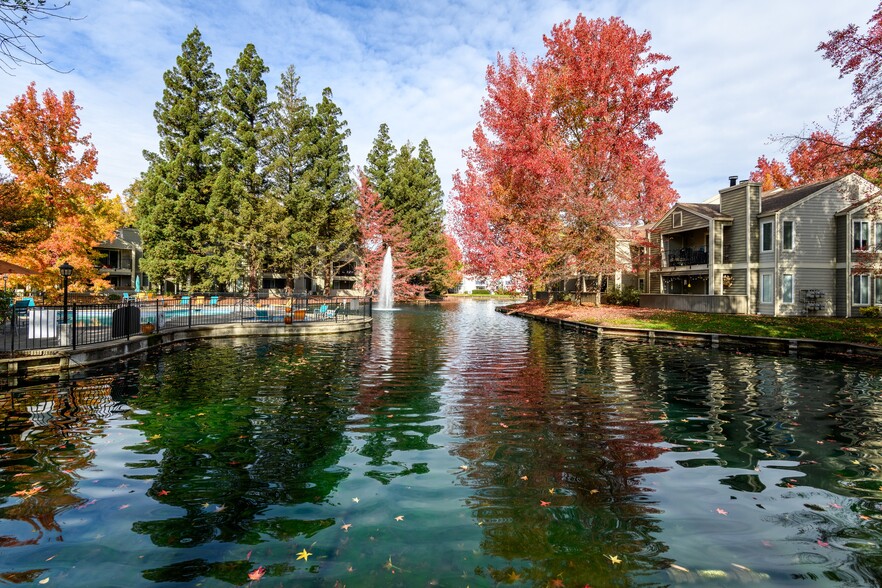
[
  {"x": 5, "y": 278},
  {"x": 66, "y": 270}
]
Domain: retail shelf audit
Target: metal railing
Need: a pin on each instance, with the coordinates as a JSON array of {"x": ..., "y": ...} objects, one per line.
[{"x": 46, "y": 327}]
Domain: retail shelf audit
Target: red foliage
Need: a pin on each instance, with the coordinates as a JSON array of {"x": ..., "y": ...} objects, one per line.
[
  {"x": 376, "y": 232},
  {"x": 562, "y": 152}
]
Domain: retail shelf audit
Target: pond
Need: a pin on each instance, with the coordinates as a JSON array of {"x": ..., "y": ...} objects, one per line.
[{"x": 451, "y": 446}]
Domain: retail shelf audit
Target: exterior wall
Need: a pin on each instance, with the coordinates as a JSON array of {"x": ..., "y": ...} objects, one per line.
[
  {"x": 753, "y": 194},
  {"x": 696, "y": 303},
  {"x": 654, "y": 283},
  {"x": 840, "y": 298},
  {"x": 690, "y": 221},
  {"x": 842, "y": 238},
  {"x": 734, "y": 203},
  {"x": 804, "y": 279}
]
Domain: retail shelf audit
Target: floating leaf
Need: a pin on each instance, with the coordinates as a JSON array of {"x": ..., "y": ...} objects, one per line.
[
  {"x": 722, "y": 512},
  {"x": 257, "y": 574},
  {"x": 304, "y": 555},
  {"x": 613, "y": 558}
]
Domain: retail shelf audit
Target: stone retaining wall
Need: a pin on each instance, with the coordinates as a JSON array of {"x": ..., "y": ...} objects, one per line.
[
  {"x": 741, "y": 343},
  {"x": 59, "y": 361}
]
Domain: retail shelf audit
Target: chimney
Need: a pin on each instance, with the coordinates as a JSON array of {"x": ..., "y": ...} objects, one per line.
[{"x": 733, "y": 180}]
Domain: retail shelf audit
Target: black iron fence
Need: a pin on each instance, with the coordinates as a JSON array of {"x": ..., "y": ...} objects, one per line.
[{"x": 40, "y": 327}]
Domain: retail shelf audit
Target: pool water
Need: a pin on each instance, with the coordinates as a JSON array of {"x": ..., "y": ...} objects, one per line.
[{"x": 450, "y": 446}]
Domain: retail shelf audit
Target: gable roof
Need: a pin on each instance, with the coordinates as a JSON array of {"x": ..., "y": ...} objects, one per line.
[
  {"x": 777, "y": 200},
  {"x": 711, "y": 211},
  {"x": 859, "y": 203}
]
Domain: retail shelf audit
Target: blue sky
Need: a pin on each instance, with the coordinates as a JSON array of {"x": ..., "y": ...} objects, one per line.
[{"x": 748, "y": 69}]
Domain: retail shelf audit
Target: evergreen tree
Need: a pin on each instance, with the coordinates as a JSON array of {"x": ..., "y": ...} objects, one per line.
[
  {"x": 330, "y": 189},
  {"x": 289, "y": 222},
  {"x": 379, "y": 163},
  {"x": 416, "y": 199},
  {"x": 237, "y": 205},
  {"x": 177, "y": 186}
]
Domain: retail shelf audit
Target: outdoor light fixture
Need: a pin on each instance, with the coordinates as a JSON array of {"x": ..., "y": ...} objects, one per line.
[{"x": 66, "y": 270}]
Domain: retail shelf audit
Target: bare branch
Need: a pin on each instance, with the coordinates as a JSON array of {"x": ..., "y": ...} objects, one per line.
[{"x": 18, "y": 41}]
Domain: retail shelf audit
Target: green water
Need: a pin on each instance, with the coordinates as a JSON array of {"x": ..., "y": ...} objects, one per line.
[{"x": 516, "y": 454}]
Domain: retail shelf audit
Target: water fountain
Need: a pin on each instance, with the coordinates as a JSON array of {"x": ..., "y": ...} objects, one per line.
[{"x": 385, "y": 300}]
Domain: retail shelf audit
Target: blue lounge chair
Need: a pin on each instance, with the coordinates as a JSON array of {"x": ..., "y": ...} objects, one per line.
[
  {"x": 125, "y": 296},
  {"x": 320, "y": 313},
  {"x": 185, "y": 300},
  {"x": 213, "y": 301}
]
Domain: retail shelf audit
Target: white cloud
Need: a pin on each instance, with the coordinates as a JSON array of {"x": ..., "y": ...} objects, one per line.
[{"x": 748, "y": 69}]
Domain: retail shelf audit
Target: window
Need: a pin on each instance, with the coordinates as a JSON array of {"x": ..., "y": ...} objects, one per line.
[
  {"x": 766, "y": 236},
  {"x": 641, "y": 285},
  {"x": 861, "y": 289},
  {"x": 861, "y": 235},
  {"x": 787, "y": 288},
  {"x": 877, "y": 291},
  {"x": 878, "y": 235},
  {"x": 677, "y": 219},
  {"x": 787, "y": 236},
  {"x": 766, "y": 288}
]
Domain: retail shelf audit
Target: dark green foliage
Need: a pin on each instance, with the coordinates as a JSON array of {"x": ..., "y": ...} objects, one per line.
[
  {"x": 289, "y": 211},
  {"x": 871, "y": 311},
  {"x": 379, "y": 163},
  {"x": 623, "y": 296},
  {"x": 175, "y": 190},
  {"x": 330, "y": 194},
  {"x": 236, "y": 210}
]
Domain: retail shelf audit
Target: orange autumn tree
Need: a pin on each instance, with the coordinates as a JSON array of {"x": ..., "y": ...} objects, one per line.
[
  {"x": 562, "y": 154},
  {"x": 52, "y": 168}
]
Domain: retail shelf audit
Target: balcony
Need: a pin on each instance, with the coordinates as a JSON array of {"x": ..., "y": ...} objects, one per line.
[{"x": 687, "y": 256}]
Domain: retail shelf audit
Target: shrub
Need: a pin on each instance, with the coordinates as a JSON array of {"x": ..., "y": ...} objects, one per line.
[
  {"x": 871, "y": 311},
  {"x": 623, "y": 296},
  {"x": 481, "y": 292},
  {"x": 114, "y": 297},
  {"x": 7, "y": 298}
]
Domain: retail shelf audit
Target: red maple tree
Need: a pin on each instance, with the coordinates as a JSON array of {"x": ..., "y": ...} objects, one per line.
[
  {"x": 376, "y": 232},
  {"x": 562, "y": 153}
]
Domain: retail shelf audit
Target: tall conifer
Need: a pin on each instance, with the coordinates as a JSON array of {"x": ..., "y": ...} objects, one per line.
[
  {"x": 330, "y": 188},
  {"x": 177, "y": 186},
  {"x": 237, "y": 207}
]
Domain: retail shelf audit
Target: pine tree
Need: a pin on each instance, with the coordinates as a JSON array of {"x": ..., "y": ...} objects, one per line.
[
  {"x": 237, "y": 205},
  {"x": 416, "y": 199},
  {"x": 330, "y": 189},
  {"x": 171, "y": 212},
  {"x": 288, "y": 221},
  {"x": 379, "y": 163}
]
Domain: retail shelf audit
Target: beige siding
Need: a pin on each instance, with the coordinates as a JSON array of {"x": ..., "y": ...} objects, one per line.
[
  {"x": 815, "y": 227},
  {"x": 690, "y": 221},
  {"x": 654, "y": 284},
  {"x": 733, "y": 202}
]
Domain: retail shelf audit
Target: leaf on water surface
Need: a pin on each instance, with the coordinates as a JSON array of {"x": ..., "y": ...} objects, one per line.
[
  {"x": 123, "y": 507},
  {"x": 722, "y": 512},
  {"x": 613, "y": 558},
  {"x": 551, "y": 490},
  {"x": 346, "y": 526},
  {"x": 355, "y": 500},
  {"x": 257, "y": 574},
  {"x": 543, "y": 503},
  {"x": 304, "y": 555},
  {"x": 399, "y": 518},
  {"x": 503, "y": 425},
  {"x": 163, "y": 493},
  {"x": 524, "y": 478},
  {"x": 823, "y": 543},
  {"x": 44, "y": 581}
]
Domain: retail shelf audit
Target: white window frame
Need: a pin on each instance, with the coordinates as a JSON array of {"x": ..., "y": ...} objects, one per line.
[
  {"x": 784, "y": 226},
  {"x": 677, "y": 219},
  {"x": 860, "y": 290},
  {"x": 767, "y": 245},
  {"x": 787, "y": 292},
  {"x": 767, "y": 290},
  {"x": 877, "y": 290},
  {"x": 860, "y": 235}
]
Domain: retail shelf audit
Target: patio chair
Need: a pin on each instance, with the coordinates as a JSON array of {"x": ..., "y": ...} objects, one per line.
[
  {"x": 199, "y": 300},
  {"x": 125, "y": 296},
  {"x": 213, "y": 301},
  {"x": 185, "y": 300},
  {"x": 321, "y": 312},
  {"x": 332, "y": 313}
]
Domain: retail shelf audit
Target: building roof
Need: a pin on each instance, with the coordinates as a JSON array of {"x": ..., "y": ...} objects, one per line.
[
  {"x": 778, "y": 199},
  {"x": 704, "y": 209}
]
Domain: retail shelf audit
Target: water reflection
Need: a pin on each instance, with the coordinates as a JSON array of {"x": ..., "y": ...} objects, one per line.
[{"x": 453, "y": 445}]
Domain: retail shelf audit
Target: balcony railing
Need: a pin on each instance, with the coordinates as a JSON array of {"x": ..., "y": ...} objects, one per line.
[{"x": 687, "y": 256}]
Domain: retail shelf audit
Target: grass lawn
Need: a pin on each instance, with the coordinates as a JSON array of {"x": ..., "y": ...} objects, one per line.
[{"x": 867, "y": 331}]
